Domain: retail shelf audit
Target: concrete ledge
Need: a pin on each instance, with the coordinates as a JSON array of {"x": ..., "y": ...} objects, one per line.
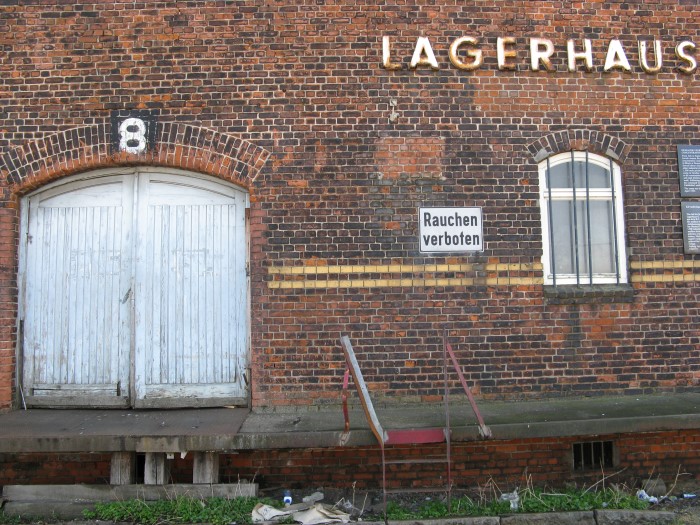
[
  {"x": 560, "y": 518},
  {"x": 187, "y": 430},
  {"x": 82, "y": 493},
  {"x": 69, "y": 501},
  {"x": 229, "y": 429},
  {"x": 600, "y": 517},
  {"x": 637, "y": 517},
  {"x": 50, "y": 511},
  {"x": 72, "y": 511},
  {"x": 485, "y": 520},
  {"x": 507, "y": 420}
]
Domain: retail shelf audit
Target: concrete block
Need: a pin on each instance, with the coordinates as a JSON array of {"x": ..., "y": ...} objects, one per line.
[
  {"x": 547, "y": 518},
  {"x": 44, "y": 510},
  {"x": 634, "y": 517},
  {"x": 485, "y": 520},
  {"x": 69, "y": 501}
]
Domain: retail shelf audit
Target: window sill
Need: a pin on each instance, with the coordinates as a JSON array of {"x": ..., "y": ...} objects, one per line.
[{"x": 588, "y": 294}]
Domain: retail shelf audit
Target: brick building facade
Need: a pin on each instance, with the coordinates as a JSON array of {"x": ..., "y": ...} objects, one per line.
[{"x": 337, "y": 122}]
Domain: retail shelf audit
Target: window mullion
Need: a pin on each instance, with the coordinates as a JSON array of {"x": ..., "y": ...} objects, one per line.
[
  {"x": 614, "y": 223},
  {"x": 552, "y": 259},
  {"x": 588, "y": 226},
  {"x": 573, "y": 188}
]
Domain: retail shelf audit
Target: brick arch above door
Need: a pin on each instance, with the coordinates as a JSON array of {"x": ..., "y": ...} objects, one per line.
[{"x": 176, "y": 145}]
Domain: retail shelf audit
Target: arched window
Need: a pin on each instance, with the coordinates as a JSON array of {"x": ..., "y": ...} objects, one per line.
[{"x": 582, "y": 220}]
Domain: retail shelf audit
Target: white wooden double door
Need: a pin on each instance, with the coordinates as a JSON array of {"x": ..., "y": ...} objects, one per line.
[{"x": 134, "y": 292}]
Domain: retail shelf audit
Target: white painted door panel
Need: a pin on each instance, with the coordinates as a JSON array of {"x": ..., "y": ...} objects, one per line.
[
  {"x": 191, "y": 293},
  {"x": 76, "y": 323},
  {"x": 135, "y": 293}
]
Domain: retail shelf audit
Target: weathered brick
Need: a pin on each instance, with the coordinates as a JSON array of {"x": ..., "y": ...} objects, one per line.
[{"x": 291, "y": 103}]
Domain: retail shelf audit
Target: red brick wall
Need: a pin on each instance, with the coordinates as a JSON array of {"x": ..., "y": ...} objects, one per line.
[
  {"x": 547, "y": 462},
  {"x": 8, "y": 303},
  {"x": 60, "y": 469},
  {"x": 336, "y": 200}
]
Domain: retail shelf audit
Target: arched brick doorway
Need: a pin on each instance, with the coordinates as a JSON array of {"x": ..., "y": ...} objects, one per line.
[{"x": 134, "y": 291}]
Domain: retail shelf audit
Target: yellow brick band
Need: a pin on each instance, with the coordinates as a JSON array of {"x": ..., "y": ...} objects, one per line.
[
  {"x": 371, "y": 268},
  {"x": 668, "y": 271},
  {"x": 370, "y": 283},
  {"x": 670, "y": 278},
  {"x": 412, "y": 275},
  {"x": 311, "y": 276},
  {"x": 663, "y": 265}
]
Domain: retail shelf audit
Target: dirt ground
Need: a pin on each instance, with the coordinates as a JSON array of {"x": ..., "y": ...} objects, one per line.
[
  {"x": 687, "y": 510},
  {"x": 368, "y": 505}
]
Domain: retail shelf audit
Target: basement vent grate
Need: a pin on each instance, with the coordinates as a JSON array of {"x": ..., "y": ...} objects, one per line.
[{"x": 592, "y": 455}]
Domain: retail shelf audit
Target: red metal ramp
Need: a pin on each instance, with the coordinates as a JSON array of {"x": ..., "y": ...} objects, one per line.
[{"x": 407, "y": 436}]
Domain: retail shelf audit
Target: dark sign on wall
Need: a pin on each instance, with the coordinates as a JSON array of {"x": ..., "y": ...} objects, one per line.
[
  {"x": 690, "y": 212},
  {"x": 689, "y": 169},
  {"x": 133, "y": 131}
]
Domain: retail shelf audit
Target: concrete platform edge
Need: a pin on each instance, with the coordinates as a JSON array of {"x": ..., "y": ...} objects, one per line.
[{"x": 226, "y": 430}]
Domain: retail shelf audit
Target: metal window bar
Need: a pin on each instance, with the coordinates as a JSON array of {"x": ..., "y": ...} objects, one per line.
[
  {"x": 593, "y": 455},
  {"x": 614, "y": 210},
  {"x": 573, "y": 187},
  {"x": 552, "y": 258},
  {"x": 448, "y": 428},
  {"x": 588, "y": 226}
]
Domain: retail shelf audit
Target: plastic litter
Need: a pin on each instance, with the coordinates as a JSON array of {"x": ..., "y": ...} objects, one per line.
[
  {"x": 513, "y": 498},
  {"x": 313, "y": 498},
  {"x": 303, "y": 513},
  {"x": 689, "y": 496},
  {"x": 655, "y": 487},
  {"x": 642, "y": 495},
  {"x": 320, "y": 513},
  {"x": 287, "y": 499},
  {"x": 267, "y": 513}
]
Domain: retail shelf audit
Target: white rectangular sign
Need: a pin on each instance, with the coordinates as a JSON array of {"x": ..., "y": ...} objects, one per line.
[{"x": 450, "y": 229}]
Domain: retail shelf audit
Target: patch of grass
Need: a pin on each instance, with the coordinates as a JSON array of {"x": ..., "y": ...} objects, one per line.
[
  {"x": 467, "y": 507},
  {"x": 535, "y": 500},
  {"x": 531, "y": 501},
  {"x": 10, "y": 520},
  {"x": 432, "y": 510},
  {"x": 394, "y": 511},
  {"x": 218, "y": 511}
]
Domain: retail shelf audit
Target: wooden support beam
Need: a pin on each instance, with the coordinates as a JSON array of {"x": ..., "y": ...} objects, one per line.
[
  {"x": 205, "y": 468},
  {"x": 122, "y": 469},
  {"x": 155, "y": 469},
  {"x": 365, "y": 400}
]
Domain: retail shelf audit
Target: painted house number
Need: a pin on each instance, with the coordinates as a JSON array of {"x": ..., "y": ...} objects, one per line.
[
  {"x": 133, "y": 131},
  {"x": 132, "y": 135}
]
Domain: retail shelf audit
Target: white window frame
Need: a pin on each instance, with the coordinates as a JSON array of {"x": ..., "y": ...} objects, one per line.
[{"x": 582, "y": 194}]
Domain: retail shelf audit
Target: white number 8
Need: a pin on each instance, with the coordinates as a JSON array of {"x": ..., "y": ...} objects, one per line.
[{"x": 132, "y": 135}]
